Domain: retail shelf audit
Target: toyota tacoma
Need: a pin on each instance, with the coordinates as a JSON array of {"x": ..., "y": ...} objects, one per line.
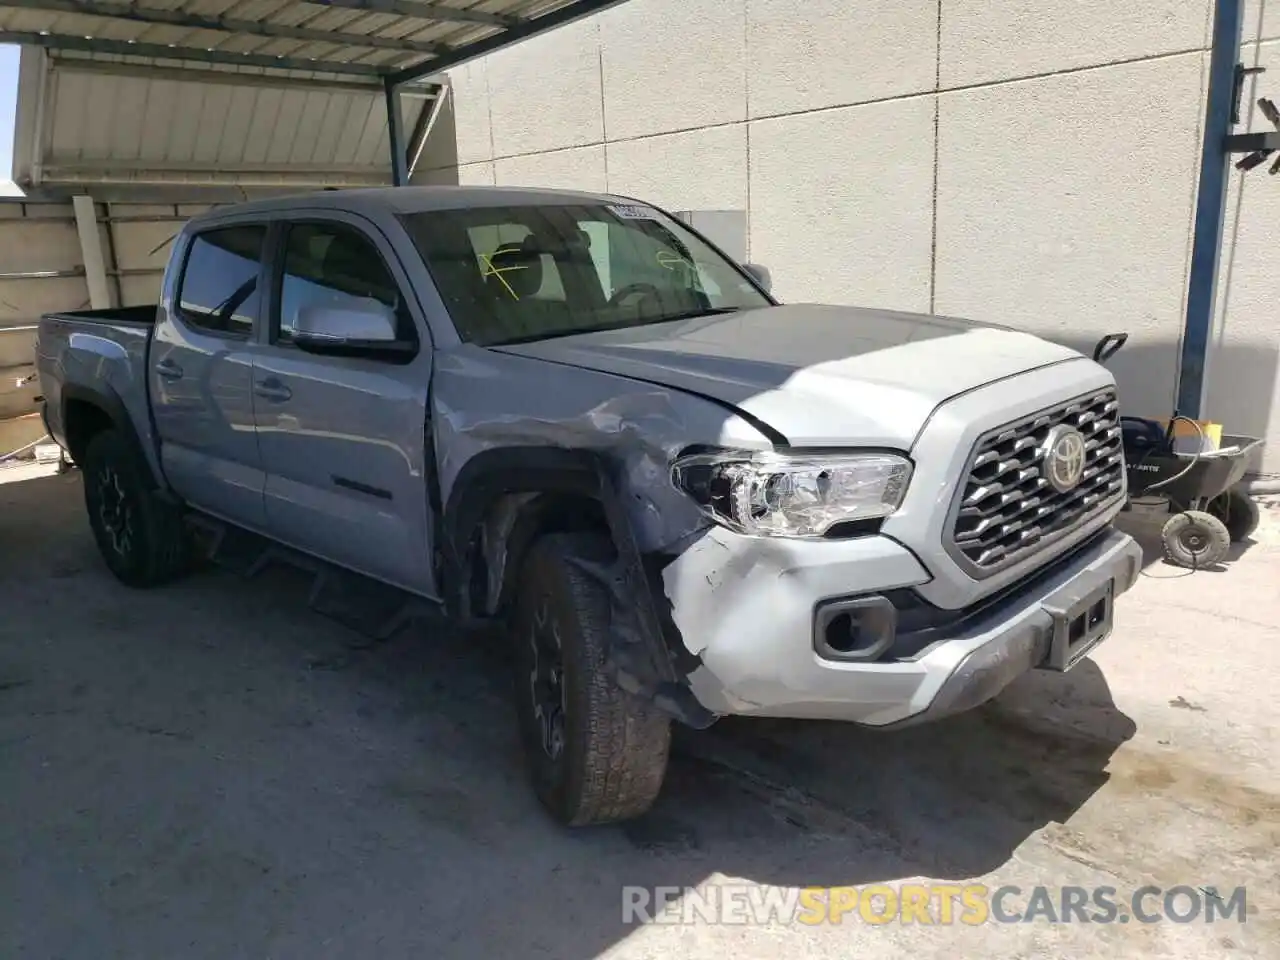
[{"x": 570, "y": 415}]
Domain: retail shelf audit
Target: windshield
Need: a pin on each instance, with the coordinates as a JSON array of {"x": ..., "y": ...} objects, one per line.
[{"x": 520, "y": 273}]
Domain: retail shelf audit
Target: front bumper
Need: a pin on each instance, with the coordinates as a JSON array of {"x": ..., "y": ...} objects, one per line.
[{"x": 746, "y": 606}]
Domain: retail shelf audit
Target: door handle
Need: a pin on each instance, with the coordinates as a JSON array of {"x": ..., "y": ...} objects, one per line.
[
  {"x": 168, "y": 370},
  {"x": 272, "y": 389}
]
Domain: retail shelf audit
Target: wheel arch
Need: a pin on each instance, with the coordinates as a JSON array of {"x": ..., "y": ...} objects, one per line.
[
  {"x": 503, "y": 500},
  {"x": 87, "y": 411},
  {"x": 513, "y": 494}
]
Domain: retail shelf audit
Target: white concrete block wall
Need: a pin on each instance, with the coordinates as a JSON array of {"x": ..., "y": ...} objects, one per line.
[
  {"x": 671, "y": 65},
  {"x": 1028, "y": 162},
  {"x": 838, "y": 222},
  {"x": 703, "y": 169},
  {"x": 1054, "y": 222},
  {"x": 1244, "y": 367},
  {"x": 470, "y": 103},
  {"x": 536, "y": 106},
  {"x": 986, "y": 41},
  {"x": 868, "y": 51},
  {"x": 584, "y": 167}
]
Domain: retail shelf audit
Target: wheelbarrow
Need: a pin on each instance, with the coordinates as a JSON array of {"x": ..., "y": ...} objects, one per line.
[{"x": 1200, "y": 490}]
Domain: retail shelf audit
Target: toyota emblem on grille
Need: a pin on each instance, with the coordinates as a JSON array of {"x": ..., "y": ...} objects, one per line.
[{"x": 1064, "y": 458}]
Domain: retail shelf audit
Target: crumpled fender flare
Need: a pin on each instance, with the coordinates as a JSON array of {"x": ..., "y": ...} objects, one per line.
[{"x": 641, "y": 655}]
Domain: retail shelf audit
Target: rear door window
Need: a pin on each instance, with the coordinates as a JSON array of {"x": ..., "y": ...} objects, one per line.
[{"x": 219, "y": 289}]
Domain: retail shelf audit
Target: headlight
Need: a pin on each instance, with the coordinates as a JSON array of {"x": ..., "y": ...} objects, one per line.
[{"x": 783, "y": 495}]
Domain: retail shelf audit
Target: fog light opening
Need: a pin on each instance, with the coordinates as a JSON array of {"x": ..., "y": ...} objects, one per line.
[
  {"x": 857, "y": 629},
  {"x": 847, "y": 635}
]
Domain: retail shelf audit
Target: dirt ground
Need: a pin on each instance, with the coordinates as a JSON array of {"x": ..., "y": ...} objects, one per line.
[{"x": 213, "y": 770}]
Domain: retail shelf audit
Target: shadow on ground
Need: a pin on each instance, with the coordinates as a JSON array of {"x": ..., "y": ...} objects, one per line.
[{"x": 213, "y": 770}]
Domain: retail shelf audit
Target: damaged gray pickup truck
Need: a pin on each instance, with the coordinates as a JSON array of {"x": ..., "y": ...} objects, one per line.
[{"x": 572, "y": 415}]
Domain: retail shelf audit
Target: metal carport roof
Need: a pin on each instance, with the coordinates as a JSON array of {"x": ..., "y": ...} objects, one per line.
[{"x": 336, "y": 68}]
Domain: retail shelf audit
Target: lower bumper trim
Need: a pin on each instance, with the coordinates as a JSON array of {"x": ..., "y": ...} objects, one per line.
[{"x": 1036, "y": 642}]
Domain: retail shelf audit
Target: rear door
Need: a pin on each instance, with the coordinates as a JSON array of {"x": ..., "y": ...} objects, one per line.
[
  {"x": 201, "y": 372},
  {"x": 343, "y": 438}
]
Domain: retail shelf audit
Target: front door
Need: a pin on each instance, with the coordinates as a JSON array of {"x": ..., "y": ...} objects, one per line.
[
  {"x": 343, "y": 439},
  {"x": 201, "y": 367}
]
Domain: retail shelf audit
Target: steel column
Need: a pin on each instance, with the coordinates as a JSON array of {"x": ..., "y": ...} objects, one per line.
[
  {"x": 395, "y": 135},
  {"x": 1211, "y": 205}
]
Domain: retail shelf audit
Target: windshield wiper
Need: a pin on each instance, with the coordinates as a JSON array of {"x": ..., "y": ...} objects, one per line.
[
  {"x": 695, "y": 314},
  {"x": 601, "y": 327}
]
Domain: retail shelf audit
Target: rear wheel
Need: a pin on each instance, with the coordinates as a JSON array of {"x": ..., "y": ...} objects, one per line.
[
  {"x": 1195, "y": 539},
  {"x": 141, "y": 536},
  {"x": 596, "y": 753}
]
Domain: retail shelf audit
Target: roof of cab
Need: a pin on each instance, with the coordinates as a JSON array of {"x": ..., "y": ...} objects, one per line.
[{"x": 399, "y": 200}]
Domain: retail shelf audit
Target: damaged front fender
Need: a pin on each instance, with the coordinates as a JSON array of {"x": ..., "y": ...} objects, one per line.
[{"x": 518, "y": 439}]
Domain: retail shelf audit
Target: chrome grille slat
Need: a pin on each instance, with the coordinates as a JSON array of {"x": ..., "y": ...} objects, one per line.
[{"x": 1007, "y": 510}]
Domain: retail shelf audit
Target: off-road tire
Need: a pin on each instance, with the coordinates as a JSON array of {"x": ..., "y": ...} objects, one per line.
[
  {"x": 1238, "y": 511},
  {"x": 614, "y": 744},
  {"x": 1195, "y": 539},
  {"x": 150, "y": 545}
]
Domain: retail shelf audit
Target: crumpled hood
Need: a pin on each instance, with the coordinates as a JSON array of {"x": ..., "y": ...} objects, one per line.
[{"x": 818, "y": 375}]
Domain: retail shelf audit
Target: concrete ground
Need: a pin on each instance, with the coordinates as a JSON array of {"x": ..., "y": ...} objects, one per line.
[{"x": 212, "y": 770}]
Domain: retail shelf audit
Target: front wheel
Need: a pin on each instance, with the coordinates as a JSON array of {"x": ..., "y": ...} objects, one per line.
[
  {"x": 141, "y": 536},
  {"x": 597, "y": 754}
]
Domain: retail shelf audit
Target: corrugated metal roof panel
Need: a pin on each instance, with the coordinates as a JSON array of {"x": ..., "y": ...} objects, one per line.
[
  {"x": 102, "y": 117},
  {"x": 285, "y": 89},
  {"x": 329, "y": 31}
]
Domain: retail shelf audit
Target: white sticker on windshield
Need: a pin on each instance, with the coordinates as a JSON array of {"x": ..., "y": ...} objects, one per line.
[{"x": 633, "y": 211}]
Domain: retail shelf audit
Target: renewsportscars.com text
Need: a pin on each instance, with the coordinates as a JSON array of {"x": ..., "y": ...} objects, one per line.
[{"x": 934, "y": 904}]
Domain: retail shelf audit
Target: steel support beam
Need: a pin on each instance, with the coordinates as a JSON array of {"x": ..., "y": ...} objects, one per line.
[
  {"x": 95, "y": 261},
  {"x": 54, "y": 41},
  {"x": 425, "y": 11},
  {"x": 177, "y": 18},
  {"x": 1250, "y": 142},
  {"x": 96, "y": 176},
  {"x": 517, "y": 31},
  {"x": 41, "y": 275},
  {"x": 209, "y": 74},
  {"x": 395, "y": 135},
  {"x": 426, "y": 123},
  {"x": 1211, "y": 205}
]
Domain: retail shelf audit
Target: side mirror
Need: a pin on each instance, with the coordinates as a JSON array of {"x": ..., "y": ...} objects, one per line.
[
  {"x": 359, "y": 327},
  {"x": 760, "y": 275}
]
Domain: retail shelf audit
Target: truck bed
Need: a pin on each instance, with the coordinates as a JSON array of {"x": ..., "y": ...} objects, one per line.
[{"x": 143, "y": 316}]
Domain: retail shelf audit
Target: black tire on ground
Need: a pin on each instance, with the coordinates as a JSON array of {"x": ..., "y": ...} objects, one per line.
[
  {"x": 596, "y": 753},
  {"x": 1238, "y": 511},
  {"x": 141, "y": 536},
  {"x": 1195, "y": 539}
]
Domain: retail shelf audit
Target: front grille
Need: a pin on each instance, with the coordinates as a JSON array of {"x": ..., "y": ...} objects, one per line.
[{"x": 1008, "y": 510}]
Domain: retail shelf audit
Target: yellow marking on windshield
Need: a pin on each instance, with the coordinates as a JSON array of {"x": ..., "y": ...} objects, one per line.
[
  {"x": 489, "y": 270},
  {"x": 669, "y": 260}
]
